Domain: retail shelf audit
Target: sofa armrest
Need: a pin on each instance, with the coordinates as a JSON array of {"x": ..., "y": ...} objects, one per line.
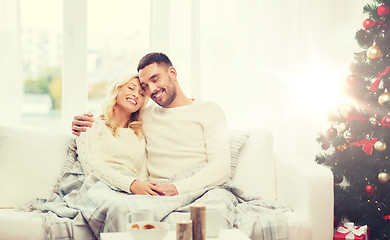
[
  {"x": 308, "y": 188},
  {"x": 30, "y": 163}
]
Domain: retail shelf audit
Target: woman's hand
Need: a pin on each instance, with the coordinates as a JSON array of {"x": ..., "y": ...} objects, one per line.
[
  {"x": 166, "y": 189},
  {"x": 143, "y": 188},
  {"x": 80, "y": 123}
]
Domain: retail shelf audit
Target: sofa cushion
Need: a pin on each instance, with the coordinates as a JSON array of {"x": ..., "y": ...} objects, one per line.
[
  {"x": 255, "y": 173},
  {"x": 71, "y": 157},
  {"x": 30, "y": 162},
  {"x": 236, "y": 140}
]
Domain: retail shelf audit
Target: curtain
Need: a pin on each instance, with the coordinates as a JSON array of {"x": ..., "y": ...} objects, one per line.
[
  {"x": 273, "y": 64},
  {"x": 74, "y": 75},
  {"x": 10, "y": 62}
]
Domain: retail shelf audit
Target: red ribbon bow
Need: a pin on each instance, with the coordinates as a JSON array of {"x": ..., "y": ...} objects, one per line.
[
  {"x": 368, "y": 145},
  {"x": 373, "y": 24},
  {"x": 379, "y": 22},
  {"x": 375, "y": 85}
]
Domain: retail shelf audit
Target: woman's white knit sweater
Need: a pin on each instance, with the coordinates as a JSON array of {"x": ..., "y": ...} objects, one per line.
[{"x": 118, "y": 160}]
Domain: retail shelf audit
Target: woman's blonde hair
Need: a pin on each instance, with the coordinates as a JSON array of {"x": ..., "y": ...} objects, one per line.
[{"x": 109, "y": 103}]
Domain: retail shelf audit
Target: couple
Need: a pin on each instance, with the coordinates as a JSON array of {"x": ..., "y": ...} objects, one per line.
[
  {"x": 180, "y": 134},
  {"x": 187, "y": 158}
]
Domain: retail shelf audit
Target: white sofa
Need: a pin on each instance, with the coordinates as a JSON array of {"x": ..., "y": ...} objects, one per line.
[{"x": 31, "y": 160}]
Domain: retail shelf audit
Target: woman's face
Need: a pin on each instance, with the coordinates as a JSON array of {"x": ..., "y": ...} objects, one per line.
[{"x": 130, "y": 97}]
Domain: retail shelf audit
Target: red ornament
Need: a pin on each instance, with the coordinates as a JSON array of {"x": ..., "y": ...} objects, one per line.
[
  {"x": 382, "y": 10},
  {"x": 368, "y": 23},
  {"x": 331, "y": 132},
  {"x": 370, "y": 189},
  {"x": 386, "y": 121}
]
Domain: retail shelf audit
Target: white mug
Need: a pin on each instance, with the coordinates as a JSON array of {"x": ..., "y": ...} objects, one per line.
[
  {"x": 141, "y": 215},
  {"x": 213, "y": 222}
]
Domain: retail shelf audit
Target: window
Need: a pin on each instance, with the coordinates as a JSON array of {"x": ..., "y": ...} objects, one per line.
[
  {"x": 41, "y": 63},
  {"x": 118, "y": 36}
]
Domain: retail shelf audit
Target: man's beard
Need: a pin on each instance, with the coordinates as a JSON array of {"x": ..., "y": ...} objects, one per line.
[{"x": 170, "y": 95}]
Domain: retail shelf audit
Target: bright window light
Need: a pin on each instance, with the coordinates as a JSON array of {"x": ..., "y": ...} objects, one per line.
[
  {"x": 41, "y": 63},
  {"x": 319, "y": 88},
  {"x": 115, "y": 43}
]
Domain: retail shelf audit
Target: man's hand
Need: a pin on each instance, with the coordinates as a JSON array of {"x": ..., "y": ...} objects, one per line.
[
  {"x": 143, "y": 188},
  {"x": 81, "y": 122},
  {"x": 166, "y": 189}
]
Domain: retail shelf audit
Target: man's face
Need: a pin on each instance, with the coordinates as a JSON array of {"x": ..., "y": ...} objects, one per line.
[{"x": 157, "y": 81}]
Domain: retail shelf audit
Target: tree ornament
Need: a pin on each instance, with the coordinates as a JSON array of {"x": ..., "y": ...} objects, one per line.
[
  {"x": 341, "y": 148},
  {"x": 374, "y": 53},
  {"x": 383, "y": 177},
  {"x": 382, "y": 10},
  {"x": 348, "y": 135},
  {"x": 347, "y": 109},
  {"x": 384, "y": 98},
  {"x": 374, "y": 121},
  {"x": 341, "y": 127},
  {"x": 380, "y": 146},
  {"x": 386, "y": 121},
  {"x": 369, "y": 189},
  {"x": 368, "y": 23},
  {"x": 331, "y": 132}
]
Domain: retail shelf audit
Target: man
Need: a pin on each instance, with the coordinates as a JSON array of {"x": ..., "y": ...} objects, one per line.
[{"x": 181, "y": 133}]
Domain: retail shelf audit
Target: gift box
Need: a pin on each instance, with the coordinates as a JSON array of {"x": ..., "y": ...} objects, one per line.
[{"x": 350, "y": 231}]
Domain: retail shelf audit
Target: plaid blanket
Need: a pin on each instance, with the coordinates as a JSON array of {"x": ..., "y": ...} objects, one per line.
[{"x": 87, "y": 202}]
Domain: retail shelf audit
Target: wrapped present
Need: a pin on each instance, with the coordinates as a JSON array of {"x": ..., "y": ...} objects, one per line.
[{"x": 349, "y": 231}]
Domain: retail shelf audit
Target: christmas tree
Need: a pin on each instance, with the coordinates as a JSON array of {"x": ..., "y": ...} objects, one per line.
[{"x": 357, "y": 143}]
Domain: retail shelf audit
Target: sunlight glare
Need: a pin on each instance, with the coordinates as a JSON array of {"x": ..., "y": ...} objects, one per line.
[{"x": 319, "y": 89}]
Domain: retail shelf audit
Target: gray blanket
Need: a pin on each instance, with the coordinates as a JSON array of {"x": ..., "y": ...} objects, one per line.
[{"x": 85, "y": 206}]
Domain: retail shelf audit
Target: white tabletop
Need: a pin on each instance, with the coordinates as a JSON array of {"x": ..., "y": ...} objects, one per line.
[{"x": 225, "y": 234}]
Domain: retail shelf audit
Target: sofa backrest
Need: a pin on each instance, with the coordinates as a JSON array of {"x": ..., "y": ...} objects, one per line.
[
  {"x": 26, "y": 154},
  {"x": 255, "y": 173},
  {"x": 30, "y": 163}
]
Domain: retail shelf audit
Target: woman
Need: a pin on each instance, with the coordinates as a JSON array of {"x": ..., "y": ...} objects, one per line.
[{"x": 113, "y": 149}]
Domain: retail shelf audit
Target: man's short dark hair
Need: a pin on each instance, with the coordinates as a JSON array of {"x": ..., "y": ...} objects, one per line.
[{"x": 154, "y": 57}]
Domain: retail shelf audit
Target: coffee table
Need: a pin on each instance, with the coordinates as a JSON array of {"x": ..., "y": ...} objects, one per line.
[{"x": 225, "y": 234}]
